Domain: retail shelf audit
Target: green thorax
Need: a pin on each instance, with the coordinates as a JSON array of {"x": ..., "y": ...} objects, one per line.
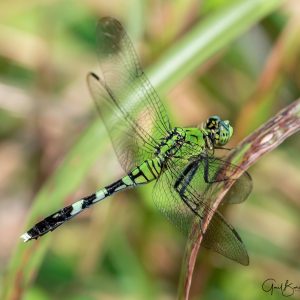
[
  {"x": 181, "y": 141},
  {"x": 184, "y": 142}
]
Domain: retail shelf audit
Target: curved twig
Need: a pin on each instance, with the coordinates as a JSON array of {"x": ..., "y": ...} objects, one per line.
[{"x": 263, "y": 140}]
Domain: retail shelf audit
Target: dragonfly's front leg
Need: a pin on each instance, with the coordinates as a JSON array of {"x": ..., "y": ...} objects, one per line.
[
  {"x": 189, "y": 172},
  {"x": 182, "y": 183},
  {"x": 218, "y": 175}
]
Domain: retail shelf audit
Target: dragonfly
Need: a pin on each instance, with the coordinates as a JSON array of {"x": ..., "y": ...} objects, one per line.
[{"x": 180, "y": 160}]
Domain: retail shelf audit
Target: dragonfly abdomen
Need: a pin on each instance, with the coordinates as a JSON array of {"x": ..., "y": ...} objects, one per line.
[
  {"x": 146, "y": 172},
  {"x": 59, "y": 217}
]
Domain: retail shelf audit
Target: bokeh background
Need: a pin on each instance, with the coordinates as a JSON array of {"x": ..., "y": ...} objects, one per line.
[{"x": 123, "y": 248}]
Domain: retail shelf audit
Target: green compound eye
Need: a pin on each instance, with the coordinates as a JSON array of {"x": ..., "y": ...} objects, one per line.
[{"x": 226, "y": 132}]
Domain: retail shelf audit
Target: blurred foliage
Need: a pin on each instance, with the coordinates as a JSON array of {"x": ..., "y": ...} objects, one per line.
[{"x": 123, "y": 248}]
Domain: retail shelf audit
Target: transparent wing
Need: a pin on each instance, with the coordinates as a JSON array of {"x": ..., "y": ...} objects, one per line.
[
  {"x": 223, "y": 238},
  {"x": 128, "y": 104},
  {"x": 184, "y": 196},
  {"x": 131, "y": 143}
]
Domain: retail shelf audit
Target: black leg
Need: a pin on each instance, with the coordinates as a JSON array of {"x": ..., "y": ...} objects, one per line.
[{"x": 186, "y": 177}]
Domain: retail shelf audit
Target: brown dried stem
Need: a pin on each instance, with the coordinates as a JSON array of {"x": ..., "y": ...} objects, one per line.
[{"x": 269, "y": 136}]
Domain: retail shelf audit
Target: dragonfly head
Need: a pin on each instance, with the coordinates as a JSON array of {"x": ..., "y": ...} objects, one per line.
[{"x": 218, "y": 130}]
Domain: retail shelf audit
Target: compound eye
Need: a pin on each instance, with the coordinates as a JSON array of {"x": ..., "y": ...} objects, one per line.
[
  {"x": 224, "y": 134},
  {"x": 213, "y": 122},
  {"x": 224, "y": 138}
]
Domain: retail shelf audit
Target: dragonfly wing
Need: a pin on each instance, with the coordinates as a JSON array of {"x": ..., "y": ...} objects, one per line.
[
  {"x": 184, "y": 196},
  {"x": 240, "y": 190},
  {"x": 130, "y": 143},
  {"x": 139, "y": 117},
  {"x": 223, "y": 238}
]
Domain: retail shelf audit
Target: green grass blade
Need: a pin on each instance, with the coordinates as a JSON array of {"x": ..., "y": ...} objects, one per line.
[{"x": 206, "y": 39}]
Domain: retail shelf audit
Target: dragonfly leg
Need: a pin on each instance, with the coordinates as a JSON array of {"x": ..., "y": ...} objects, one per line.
[
  {"x": 183, "y": 182},
  {"x": 214, "y": 178},
  {"x": 186, "y": 177}
]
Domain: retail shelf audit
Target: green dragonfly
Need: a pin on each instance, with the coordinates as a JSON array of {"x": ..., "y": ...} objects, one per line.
[{"x": 180, "y": 160}]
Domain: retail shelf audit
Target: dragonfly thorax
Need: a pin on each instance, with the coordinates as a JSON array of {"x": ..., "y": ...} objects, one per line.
[
  {"x": 181, "y": 141},
  {"x": 170, "y": 144}
]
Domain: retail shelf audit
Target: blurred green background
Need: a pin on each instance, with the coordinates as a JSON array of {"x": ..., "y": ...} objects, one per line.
[{"x": 53, "y": 149}]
